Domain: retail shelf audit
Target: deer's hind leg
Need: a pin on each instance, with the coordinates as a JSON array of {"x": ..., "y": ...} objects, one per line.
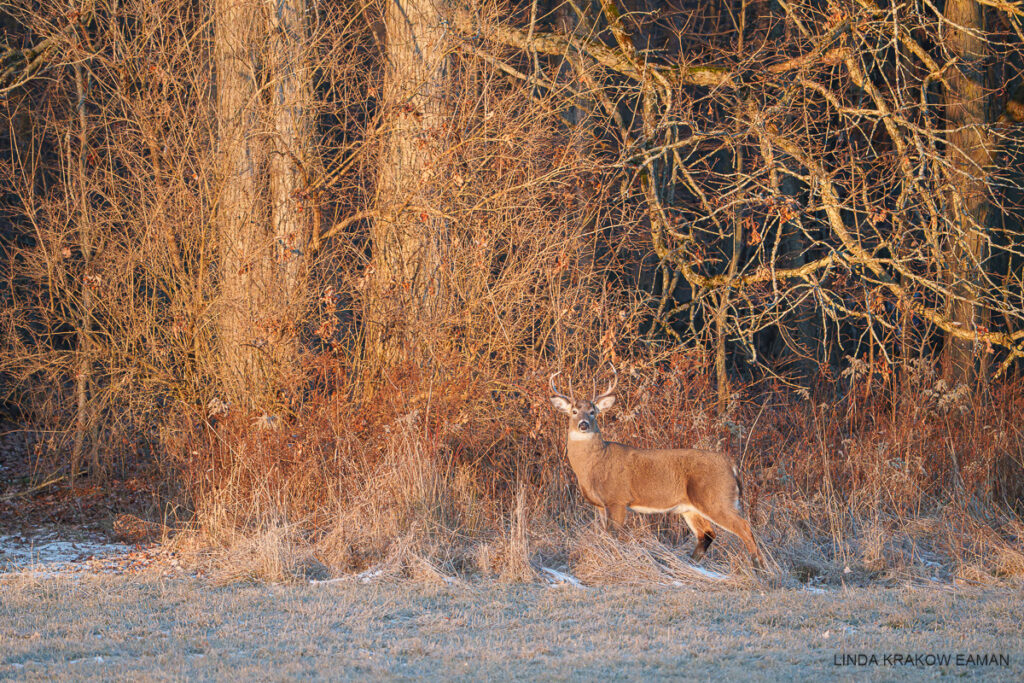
[
  {"x": 731, "y": 521},
  {"x": 702, "y": 530}
]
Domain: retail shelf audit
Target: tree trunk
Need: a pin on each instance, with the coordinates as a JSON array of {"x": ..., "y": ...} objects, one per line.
[
  {"x": 970, "y": 156},
  {"x": 85, "y": 423},
  {"x": 580, "y": 116},
  {"x": 243, "y": 241},
  {"x": 291, "y": 104},
  {"x": 405, "y": 295}
]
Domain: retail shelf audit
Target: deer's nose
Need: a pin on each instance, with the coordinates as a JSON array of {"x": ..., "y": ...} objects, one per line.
[{"x": 583, "y": 426}]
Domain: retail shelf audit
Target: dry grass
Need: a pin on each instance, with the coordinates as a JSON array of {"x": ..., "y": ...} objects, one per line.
[
  {"x": 117, "y": 628},
  {"x": 460, "y": 492}
]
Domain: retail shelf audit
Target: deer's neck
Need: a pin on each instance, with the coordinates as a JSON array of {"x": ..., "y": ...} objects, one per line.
[{"x": 583, "y": 451}]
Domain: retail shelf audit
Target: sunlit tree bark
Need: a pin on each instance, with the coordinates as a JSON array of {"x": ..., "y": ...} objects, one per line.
[
  {"x": 245, "y": 266},
  {"x": 291, "y": 105},
  {"x": 970, "y": 157},
  {"x": 405, "y": 290}
]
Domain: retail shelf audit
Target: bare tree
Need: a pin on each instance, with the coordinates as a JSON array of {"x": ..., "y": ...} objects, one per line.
[
  {"x": 291, "y": 157},
  {"x": 405, "y": 287},
  {"x": 85, "y": 426},
  {"x": 970, "y": 159},
  {"x": 242, "y": 237},
  {"x": 263, "y": 231}
]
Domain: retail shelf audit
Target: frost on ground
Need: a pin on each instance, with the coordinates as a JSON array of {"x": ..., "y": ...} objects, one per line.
[
  {"x": 51, "y": 554},
  {"x": 123, "y": 628}
]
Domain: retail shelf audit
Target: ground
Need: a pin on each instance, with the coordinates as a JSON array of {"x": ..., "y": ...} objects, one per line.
[{"x": 118, "y": 627}]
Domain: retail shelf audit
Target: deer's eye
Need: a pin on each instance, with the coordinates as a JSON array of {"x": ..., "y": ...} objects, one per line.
[{"x": 574, "y": 411}]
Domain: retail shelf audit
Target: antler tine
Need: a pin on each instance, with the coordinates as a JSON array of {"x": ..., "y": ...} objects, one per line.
[
  {"x": 612, "y": 385},
  {"x": 556, "y": 392}
]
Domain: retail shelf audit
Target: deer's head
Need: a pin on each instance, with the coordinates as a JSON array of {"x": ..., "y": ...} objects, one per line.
[{"x": 583, "y": 413}]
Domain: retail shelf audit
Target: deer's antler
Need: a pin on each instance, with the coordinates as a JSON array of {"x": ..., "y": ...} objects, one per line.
[
  {"x": 556, "y": 392},
  {"x": 611, "y": 386}
]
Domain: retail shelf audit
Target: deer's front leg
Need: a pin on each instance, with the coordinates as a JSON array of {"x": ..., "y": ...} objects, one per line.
[{"x": 616, "y": 515}]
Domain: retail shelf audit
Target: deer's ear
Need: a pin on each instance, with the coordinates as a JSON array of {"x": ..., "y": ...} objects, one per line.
[
  {"x": 605, "y": 403},
  {"x": 561, "y": 404}
]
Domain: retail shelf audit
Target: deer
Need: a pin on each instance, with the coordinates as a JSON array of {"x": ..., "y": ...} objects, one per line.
[{"x": 704, "y": 487}]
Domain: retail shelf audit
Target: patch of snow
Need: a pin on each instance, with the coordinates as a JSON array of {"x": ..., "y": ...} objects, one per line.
[
  {"x": 369, "y": 575},
  {"x": 98, "y": 659},
  {"x": 320, "y": 582},
  {"x": 363, "y": 577},
  {"x": 49, "y": 554},
  {"x": 556, "y": 577},
  {"x": 707, "y": 573}
]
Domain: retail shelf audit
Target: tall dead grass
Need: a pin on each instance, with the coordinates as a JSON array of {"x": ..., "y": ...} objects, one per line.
[{"x": 838, "y": 491}]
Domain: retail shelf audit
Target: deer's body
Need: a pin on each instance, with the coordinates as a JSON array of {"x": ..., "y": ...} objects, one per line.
[{"x": 702, "y": 486}]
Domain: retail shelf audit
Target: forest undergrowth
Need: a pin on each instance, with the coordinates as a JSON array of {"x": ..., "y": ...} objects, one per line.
[{"x": 895, "y": 481}]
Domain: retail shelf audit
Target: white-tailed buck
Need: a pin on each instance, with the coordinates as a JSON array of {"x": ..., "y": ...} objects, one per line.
[{"x": 702, "y": 486}]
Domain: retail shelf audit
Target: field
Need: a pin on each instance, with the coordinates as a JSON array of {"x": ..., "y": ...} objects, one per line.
[{"x": 132, "y": 628}]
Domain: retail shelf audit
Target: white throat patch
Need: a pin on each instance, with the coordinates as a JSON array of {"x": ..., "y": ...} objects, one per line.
[{"x": 580, "y": 436}]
